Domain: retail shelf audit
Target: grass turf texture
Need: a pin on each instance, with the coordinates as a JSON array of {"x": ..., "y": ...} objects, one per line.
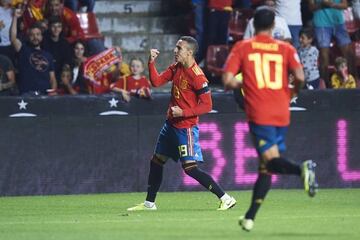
[{"x": 286, "y": 214}]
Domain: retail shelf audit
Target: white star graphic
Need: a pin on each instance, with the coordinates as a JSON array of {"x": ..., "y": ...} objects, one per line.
[
  {"x": 22, "y": 104},
  {"x": 293, "y": 100},
  {"x": 113, "y": 102}
]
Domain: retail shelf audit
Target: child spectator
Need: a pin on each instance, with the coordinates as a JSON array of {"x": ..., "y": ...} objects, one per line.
[
  {"x": 67, "y": 80},
  {"x": 135, "y": 84},
  {"x": 309, "y": 58},
  {"x": 341, "y": 78}
]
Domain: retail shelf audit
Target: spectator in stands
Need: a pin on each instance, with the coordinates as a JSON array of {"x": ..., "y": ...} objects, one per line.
[
  {"x": 78, "y": 82},
  {"x": 219, "y": 17},
  {"x": 280, "y": 31},
  {"x": 72, "y": 30},
  {"x": 309, "y": 56},
  {"x": 356, "y": 9},
  {"x": 70, "y": 84},
  {"x": 199, "y": 15},
  {"x": 135, "y": 84},
  {"x": 36, "y": 68},
  {"x": 5, "y": 22},
  {"x": 341, "y": 78},
  {"x": 33, "y": 11},
  {"x": 7, "y": 76},
  {"x": 55, "y": 44},
  {"x": 75, "y": 5},
  {"x": 329, "y": 22},
  {"x": 242, "y": 3},
  {"x": 291, "y": 12},
  {"x": 71, "y": 26}
]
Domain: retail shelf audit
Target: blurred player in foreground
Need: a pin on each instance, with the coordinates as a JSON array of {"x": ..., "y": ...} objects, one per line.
[{"x": 265, "y": 64}]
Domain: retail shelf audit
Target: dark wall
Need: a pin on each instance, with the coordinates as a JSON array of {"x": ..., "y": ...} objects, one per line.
[{"x": 68, "y": 148}]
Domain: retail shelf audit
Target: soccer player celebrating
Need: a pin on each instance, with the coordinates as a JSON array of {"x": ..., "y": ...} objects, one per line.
[
  {"x": 179, "y": 137},
  {"x": 265, "y": 64}
]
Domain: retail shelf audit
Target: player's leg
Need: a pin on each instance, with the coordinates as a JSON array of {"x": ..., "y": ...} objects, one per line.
[
  {"x": 191, "y": 168},
  {"x": 269, "y": 141},
  {"x": 154, "y": 183},
  {"x": 280, "y": 165},
  {"x": 155, "y": 178},
  {"x": 260, "y": 190},
  {"x": 162, "y": 151},
  {"x": 190, "y": 154},
  {"x": 264, "y": 138}
]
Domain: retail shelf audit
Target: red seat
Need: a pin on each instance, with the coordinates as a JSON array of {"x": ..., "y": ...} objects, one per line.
[
  {"x": 215, "y": 58},
  {"x": 352, "y": 25},
  {"x": 238, "y": 22},
  {"x": 89, "y": 24}
]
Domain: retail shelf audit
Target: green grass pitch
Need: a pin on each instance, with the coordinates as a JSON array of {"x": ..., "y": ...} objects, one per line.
[{"x": 286, "y": 214}]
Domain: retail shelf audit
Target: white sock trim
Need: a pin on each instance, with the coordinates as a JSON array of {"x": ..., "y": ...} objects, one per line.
[
  {"x": 149, "y": 204},
  {"x": 225, "y": 197}
]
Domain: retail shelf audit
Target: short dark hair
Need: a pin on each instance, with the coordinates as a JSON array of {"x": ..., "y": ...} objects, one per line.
[
  {"x": 36, "y": 25},
  {"x": 307, "y": 31},
  {"x": 54, "y": 20},
  {"x": 193, "y": 44},
  {"x": 264, "y": 18}
]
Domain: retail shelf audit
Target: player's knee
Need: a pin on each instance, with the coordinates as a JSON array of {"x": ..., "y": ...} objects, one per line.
[
  {"x": 156, "y": 159},
  {"x": 189, "y": 167},
  {"x": 263, "y": 167}
]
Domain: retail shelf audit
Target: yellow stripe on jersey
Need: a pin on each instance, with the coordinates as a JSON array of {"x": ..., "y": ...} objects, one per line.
[
  {"x": 197, "y": 70},
  {"x": 265, "y": 46}
]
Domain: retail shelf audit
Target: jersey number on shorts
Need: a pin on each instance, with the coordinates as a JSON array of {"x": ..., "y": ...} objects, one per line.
[
  {"x": 262, "y": 66},
  {"x": 183, "y": 152}
]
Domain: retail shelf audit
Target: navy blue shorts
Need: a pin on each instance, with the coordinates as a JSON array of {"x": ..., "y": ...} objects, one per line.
[
  {"x": 179, "y": 143},
  {"x": 266, "y": 136}
]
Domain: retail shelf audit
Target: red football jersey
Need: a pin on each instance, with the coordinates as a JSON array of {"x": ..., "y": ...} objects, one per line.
[
  {"x": 264, "y": 63},
  {"x": 131, "y": 84},
  {"x": 189, "y": 91},
  {"x": 72, "y": 30},
  {"x": 219, "y": 4}
]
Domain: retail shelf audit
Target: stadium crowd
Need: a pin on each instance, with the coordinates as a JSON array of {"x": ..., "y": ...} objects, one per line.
[
  {"x": 325, "y": 32},
  {"x": 44, "y": 49}
]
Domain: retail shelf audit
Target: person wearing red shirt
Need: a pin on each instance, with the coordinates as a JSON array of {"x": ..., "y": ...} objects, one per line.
[
  {"x": 179, "y": 137},
  {"x": 265, "y": 64},
  {"x": 72, "y": 30},
  {"x": 135, "y": 84}
]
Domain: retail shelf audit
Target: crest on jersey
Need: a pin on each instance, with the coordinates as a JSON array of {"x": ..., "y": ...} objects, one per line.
[{"x": 183, "y": 83}]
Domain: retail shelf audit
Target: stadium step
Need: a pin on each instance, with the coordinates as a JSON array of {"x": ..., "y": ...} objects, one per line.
[
  {"x": 128, "y": 7},
  {"x": 138, "y": 25}
]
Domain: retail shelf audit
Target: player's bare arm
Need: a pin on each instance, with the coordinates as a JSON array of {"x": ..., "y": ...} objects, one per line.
[
  {"x": 13, "y": 30},
  {"x": 229, "y": 81}
]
